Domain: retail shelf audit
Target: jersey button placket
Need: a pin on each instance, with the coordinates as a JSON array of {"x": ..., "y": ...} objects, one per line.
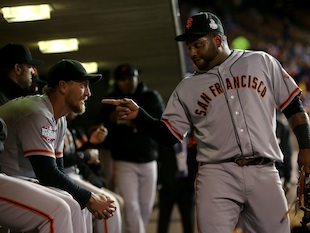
[
  {"x": 240, "y": 123},
  {"x": 237, "y": 113}
]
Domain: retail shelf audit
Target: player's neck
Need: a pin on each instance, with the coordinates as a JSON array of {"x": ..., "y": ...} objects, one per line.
[{"x": 59, "y": 106}]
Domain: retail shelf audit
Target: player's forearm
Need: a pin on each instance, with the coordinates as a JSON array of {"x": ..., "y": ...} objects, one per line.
[
  {"x": 48, "y": 174},
  {"x": 299, "y": 122},
  {"x": 301, "y": 128},
  {"x": 155, "y": 128}
]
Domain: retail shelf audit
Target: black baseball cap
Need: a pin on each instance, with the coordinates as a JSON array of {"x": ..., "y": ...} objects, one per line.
[
  {"x": 200, "y": 25},
  {"x": 125, "y": 70},
  {"x": 69, "y": 70},
  {"x": 17, "y": 53}
]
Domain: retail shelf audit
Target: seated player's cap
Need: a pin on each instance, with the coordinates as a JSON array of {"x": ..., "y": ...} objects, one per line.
[
  {"x": 125, "y": 70},
  {"x": 17, "y": 53},
  {"x": 200, "y": 25},
  {"x": 69, "y": 70}
]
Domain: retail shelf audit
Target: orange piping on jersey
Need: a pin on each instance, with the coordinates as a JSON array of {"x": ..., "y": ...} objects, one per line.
[
  {"x": 292, "y": 95},
  {"x": 36, "y": 151},
  {"x": 176, "y": 133},
  {"x": 105, "y": 222},
  {"x": 59, "y": 154},
  {"x": 31, "y": 209}
]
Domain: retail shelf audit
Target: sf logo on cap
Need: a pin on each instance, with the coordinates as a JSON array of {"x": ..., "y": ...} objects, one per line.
[{"x": 189, "y": 23}]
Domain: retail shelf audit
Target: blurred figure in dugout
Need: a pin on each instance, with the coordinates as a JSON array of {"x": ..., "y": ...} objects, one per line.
[
  {"x": 177, "y": 168},
  {"x": 134, "y": 153},
  {"x": 81, "y": 161},
  {"x": 286, "y": 145}
]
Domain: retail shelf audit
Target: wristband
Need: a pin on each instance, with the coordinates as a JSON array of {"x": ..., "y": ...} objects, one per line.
[{"x": 302, "y": 133}]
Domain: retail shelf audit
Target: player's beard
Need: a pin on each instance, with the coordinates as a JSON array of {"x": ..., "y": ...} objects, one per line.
[
  {"x": 25, "y": 79},
  {"x": 78, "y": 108},
  {"x": 206, "y": 60}
]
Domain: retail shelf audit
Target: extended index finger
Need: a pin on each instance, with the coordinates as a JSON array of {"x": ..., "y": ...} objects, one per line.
[{"x": 111, "y": 101}]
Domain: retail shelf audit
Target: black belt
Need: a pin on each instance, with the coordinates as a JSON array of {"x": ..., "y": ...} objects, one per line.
[{"x": 241, "y": 161}]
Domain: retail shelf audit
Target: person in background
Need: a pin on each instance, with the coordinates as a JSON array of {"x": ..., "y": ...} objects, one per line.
[
  {"x": 82, "y": 150},
  {"x": 234, "y": 95},
  {"x": 36, "y": 128},
  {"x": 17, "y": 70},
  {"x": 177, "y": 168},
  {"x": 283, "y": 133},
  {"x": 79, "y": 154},
  {"x": 134, "y": 153}
]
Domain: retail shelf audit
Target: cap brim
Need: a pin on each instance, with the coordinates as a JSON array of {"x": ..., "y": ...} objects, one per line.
[
  {"x": 35, "y": 62},
  {"x": 93, "y": 78},
  {"x": 185, "y": 36},
  {"x": 181, "y": 37},
  {"x": 38, "y": 80}
]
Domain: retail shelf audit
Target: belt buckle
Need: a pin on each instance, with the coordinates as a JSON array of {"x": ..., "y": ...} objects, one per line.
[
  {"x": 241, "y": 161},
  {"x": 250, "y": 161}
]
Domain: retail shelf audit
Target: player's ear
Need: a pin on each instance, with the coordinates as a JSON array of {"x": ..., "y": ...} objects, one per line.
[
  {"x": 217, "y": 40},
  {"x": 62, "y": 86},
  {"x": 17, "y": 68}
]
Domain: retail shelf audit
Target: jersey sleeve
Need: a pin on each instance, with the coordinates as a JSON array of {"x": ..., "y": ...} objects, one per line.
[
  {"x": 285, "y": 87},
  {"x": 175, "y": 117},
  {"x": 41, "y": 136}
]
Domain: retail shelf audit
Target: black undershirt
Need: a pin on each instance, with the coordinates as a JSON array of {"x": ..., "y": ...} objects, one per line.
[
  {"x": 156, "y": 128},
  {"x": 49, "y": 171}
]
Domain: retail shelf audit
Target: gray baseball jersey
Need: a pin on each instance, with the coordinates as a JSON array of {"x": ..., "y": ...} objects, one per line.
[
  {"x": 232, "y": 110},
  {"x": 232, "y": 107},
  {"x": 32, "y": 130}
]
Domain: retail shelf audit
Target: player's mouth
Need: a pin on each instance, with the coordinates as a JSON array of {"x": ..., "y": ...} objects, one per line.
[
  {"x": 83, "y": 101},
  {"x": 196, "y": 59}
]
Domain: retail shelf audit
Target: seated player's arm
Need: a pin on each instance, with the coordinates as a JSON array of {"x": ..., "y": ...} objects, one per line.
[{"x": 50, "y": 173}]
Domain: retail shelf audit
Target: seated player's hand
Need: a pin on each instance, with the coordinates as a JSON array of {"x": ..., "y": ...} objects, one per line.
[{"x": 101, "y": 206}]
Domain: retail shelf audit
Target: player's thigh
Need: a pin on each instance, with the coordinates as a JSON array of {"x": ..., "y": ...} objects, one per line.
[
  {"x": 218, "y": 198},
  {"x": 79, "y": 218},
  {"x": 147, "y": 185},
  {"x": 267, "y": 203},
  {"x": 127, "y": 180},
  {"x": 32, "y": 206}
]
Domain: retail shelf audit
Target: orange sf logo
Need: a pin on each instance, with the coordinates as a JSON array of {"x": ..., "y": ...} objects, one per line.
[{"x": 189, "y": 23}]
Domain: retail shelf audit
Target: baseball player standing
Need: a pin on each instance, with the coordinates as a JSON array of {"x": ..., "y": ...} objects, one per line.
[
  {"x": 230, "y": 102},
  {"x": 36, "y": 127}
]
